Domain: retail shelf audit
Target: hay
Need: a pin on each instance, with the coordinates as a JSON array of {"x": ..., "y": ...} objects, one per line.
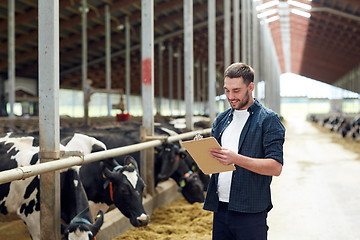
[{"x": 179, "y": 220}]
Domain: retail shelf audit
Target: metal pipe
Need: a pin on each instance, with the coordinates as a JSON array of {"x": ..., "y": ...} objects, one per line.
[
  {"x": 29, "y": 171},
  {"x": 212, "y": 59},
  {"x": 189, "y": 63},
  {"x": 244, "y": 58},
  {"x": 127, "y": 63},
  {"x": 236, "y": 9},
  {"x": 171, "y": 78},
  {"x": 178, "y": 78},
  {"x": 84, "y": 65},
  {"x": 147, "y": 90},
  {"x": 11, "y": 56},
  {"x": 227, "y": 33},
  {"x": 49, "y": 121},
  {"x": 108, "y": 56},
  {"x": 160, "y": 77}
]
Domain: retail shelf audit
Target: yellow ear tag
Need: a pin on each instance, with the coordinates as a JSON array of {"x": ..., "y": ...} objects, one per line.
[
  {"x": 98, "y": 216},
  {"x": 182, "y": 183},
  {"x": 130, "y": 164}
]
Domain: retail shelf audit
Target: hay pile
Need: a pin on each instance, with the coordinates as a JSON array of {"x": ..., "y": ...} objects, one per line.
[{"x": 179, "y": 220}]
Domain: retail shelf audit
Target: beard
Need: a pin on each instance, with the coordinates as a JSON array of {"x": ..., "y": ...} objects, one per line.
[{"x": 240, "y": 103}]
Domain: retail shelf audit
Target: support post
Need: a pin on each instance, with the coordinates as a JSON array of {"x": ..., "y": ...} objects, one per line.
[
  {"x": 161, "y": 82},
  {"x": 171, "y": 78},
  {"x": 227, "y": 33},
  {"x": 108, "y": 56},
  {"x": 178, "y": 78},
  {"x": 189, "y": 63},
  {"x": 11, "y": 56},
  {"x": 127, "y": 63},
  {"x": 212, "y": 58},
  {"x": 236, "y": 10},
  {"x": 84, "y": 80},
  {"x": 147, "y": 63},
  {"x": 49, "y": 122}
]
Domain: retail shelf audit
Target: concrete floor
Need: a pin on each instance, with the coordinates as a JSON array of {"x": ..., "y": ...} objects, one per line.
[{"x": 317, "y": 196}]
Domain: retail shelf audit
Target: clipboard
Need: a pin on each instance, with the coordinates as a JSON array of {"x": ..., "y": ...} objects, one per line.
[{"x": 199, "y": 151}]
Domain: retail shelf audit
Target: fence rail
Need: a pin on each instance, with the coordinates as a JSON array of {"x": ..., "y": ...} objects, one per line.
[{"x": 29, "y": 171}]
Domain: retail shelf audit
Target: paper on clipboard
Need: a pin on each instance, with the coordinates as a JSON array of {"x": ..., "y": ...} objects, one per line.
[{"x": 199, "y": 151}]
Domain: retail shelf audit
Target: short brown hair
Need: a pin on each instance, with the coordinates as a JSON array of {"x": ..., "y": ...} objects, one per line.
[{"x": 243, "y": 70}]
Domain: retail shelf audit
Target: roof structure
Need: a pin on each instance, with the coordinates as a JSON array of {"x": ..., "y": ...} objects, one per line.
[{"x": 324, "y": 46}]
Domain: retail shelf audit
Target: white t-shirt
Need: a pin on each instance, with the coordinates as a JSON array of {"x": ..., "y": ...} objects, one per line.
[{"x": 230, "y": 140}]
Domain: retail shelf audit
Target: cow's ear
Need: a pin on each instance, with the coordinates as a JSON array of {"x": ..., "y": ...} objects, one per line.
[
  {"x": 129, "y": 160},
  {"x": 106, "y": 171},
  {"x": 99, "y": 220},
  {"x": 96, "y": 148}
]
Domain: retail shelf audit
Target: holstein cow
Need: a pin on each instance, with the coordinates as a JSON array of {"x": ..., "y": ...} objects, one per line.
[
  {"x": 166, "y": 161},
  {"x": 205, "y": 179},
  {"x": 78, "y": 226},
  {"x": 106, "y": 182},
  {"x": 21, "y": 198},
  {"x": 189, "y": 183}
]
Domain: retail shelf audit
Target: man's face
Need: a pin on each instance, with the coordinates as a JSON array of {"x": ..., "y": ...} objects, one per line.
[{"x": 238, "y": 93}]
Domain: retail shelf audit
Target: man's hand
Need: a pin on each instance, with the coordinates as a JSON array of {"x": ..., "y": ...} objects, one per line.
[{"x": 224, "y": 155}]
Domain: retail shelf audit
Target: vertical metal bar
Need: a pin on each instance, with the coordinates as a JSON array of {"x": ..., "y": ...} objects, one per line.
[
  {"x": 203, "y": 84},
  {"x": 161, "y": 79},
  {"x": 49, "y": 122},
  {"x": 212, "y": 58},
  {"x": 227, "y": 33},
  {"x": 171, "y": 78},
  {"x": 198, "y": 85},
  {"x": 243, "y": 32},
  {"x": 248, "y": 32},
  {"x": 284, "y": 12},
  {"x": 127, "y": 62},
  {"x": 11, "y": 55},
  {"x": 236, "y": 10},
  {"x": 84, "y": 65},
  {"x": 256, "y": 47},
  {"x": 147, "y": 63},
  {"x": 179, "y": 79},
  {"x": 108, "y": 56},
  {"x": 189, "y": 63}
]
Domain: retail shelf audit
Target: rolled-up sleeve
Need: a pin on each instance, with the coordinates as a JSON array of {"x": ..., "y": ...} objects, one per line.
[{"x": 273, "y": 138}]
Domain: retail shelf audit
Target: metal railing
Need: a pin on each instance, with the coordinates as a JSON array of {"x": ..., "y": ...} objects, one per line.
[{"x": 29, "y": 171}]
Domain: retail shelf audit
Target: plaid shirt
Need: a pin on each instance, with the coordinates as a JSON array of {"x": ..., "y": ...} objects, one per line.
[{"x": 262, "y": 137}]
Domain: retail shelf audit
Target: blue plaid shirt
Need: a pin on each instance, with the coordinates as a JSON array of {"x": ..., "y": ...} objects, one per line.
[{"x": 262, "y": 137}]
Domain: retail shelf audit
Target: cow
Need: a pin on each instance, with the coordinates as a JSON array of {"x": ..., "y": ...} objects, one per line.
[
  {"x": 189, "y": 183},
  {"x": 205, "y": 179},
  {"x": 166, "y": 161},
  {"x": 21, "y": 198},
  {"x": 77, "y": 226},
  {"x": 107, "y": 182}
]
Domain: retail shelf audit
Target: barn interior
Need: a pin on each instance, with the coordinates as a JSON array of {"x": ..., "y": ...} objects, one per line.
[{"x": 101, "y": 52}]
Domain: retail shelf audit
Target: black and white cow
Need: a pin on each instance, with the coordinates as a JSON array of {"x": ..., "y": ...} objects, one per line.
[
  {"x": 21, "y": 198},
  {"x": 166, "y": 161},
  {"x": 77, "y": 217},
  {"x": 106, "y": 182},
  {"x": 205, "y": 179},
  {"x": 189, "y": 183}
]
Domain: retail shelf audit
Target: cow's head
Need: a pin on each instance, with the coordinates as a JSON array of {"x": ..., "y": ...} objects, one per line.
[
  {"x": 191, "y": 187},
  {"x": 205, "y": 179},
  {"x": 81, "y": 228},
  {"x": 166, "y": 160},
  {"x": 125, "y": 189}
]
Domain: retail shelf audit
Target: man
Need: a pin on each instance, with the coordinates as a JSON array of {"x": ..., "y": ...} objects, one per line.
[{"x": 252, "y": 138}]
